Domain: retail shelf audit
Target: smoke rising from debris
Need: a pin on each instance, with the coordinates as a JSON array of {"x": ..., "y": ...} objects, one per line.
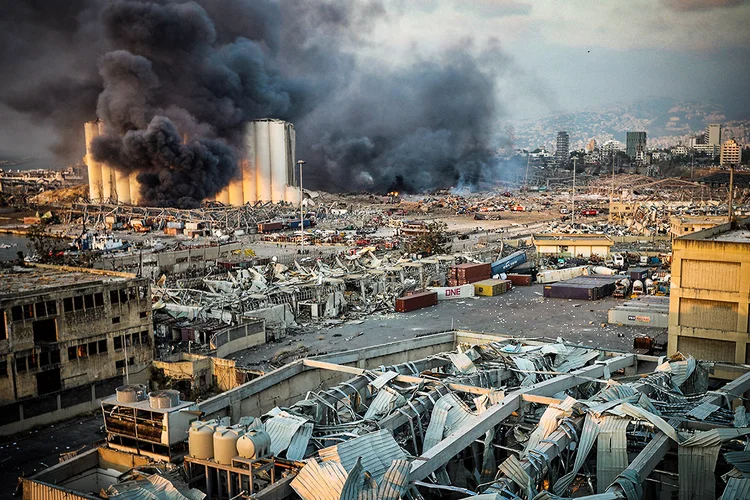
[{"x": 173, "y": 82}]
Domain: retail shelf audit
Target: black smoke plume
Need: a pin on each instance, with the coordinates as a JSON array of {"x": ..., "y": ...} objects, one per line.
[{"x": 174, "y": 82}]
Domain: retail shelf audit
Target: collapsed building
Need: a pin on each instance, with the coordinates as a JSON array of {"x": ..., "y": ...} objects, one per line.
[
  {"x": 266, "y": 172},
  {"x": 457, "y": 414}
]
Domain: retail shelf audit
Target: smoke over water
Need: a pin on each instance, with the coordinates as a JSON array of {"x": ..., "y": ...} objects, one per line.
[{"x": 174, "y": 81}]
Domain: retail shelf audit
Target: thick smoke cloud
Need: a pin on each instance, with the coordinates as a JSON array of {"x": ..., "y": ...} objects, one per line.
[{"x": 174, "y": 81}]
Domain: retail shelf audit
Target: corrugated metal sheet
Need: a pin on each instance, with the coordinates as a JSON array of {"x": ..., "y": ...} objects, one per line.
[
  {"x": 737, "y": 489},
  {"x": 377, "y": 451},
  {"x": 33, "y": 490},
  {"x": 611, "y": 451},
  {"x": 549, "y": 422},
  {"x": 384, "y": 401},
  {"x": 448, "y": 414},
  {"x": 298, "y": 445},
  {"x": 383, "y": 379},
  {"x": 614, "y": 391},
  {"x": 740, "y": 459},
  {"x": 462, "y": 362},
  {"x": 588, "y": 435},
  {"x": 526, "y": 365},
  {"x": 154, "y": 487},
  {"x": 512, "y": 468},
  {"x": 703, "y": 410},
  {"x": 740, "y": 417},
  {"x": 320, "y": 481},
  {"x": 640, "y": 413},
  {"x": 696, "y": 464},
  {"x": 576, "y": 359},
  {"x": 282, "y": 429},
  {"x": 395, "y": 481}
]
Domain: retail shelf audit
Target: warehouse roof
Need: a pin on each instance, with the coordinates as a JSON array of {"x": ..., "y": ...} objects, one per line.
[
  {"x": 737, "y": 232},
  {"x": 573, "y": 239}
]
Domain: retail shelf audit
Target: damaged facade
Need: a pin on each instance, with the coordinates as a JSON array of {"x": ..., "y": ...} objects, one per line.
[{"x": 68, "y": 337}]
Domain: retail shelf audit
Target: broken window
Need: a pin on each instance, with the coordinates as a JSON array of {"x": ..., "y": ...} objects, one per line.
[
  {"x": 51, "y": 307},
  {"x": 3, "y": 368},
  {"x": 143, "y": 292},
  {"x": 132, "y": 293},
  {"x": 48, "y": 381},
  {"x": 41, "y": 309},
  {"x": 68, "y": 304},
  {"x": 88, "y": 301},
  {"x": 82, "y": 352},
  {"x": 20, "y": 364},
  {"x": 115, "y": 320},
  {"x": 92, "y": 348},
  {"x": 17, "y": 313},
  {"x": 54, "y": 356},
  {"x": 32, "y": 361},
  {"x": 99, "y": 299},
  {"x": 114, "y": 297},
  {"x": 3, "y": 331},
  {"x": 131, "y": 361},
  {"x": 144, "y": 314},
  {"x": 123, "y": 296},
  {"x": 45, "y": 330},
  {"x": 144, "y": 337},
  {"x": 118, "y": 343},
  {"x": 28, "y": 311},
  {"x": 102, "y": 346},
  {"x": 72, "y": 353},
  {"x": 43, "y": 359},
  {"x": 78, "y": 303},
  {"x": 120, "y": 364}
]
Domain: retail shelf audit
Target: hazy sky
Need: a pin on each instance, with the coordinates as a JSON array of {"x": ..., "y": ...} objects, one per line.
[
  {"x": 567, "y": 54},
  {"x": 551, "y": 55}
]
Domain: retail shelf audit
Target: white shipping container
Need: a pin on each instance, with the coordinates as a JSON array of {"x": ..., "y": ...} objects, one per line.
[
  {"x": 555, "y": 275},
  {"x": 453, "y": 292}
]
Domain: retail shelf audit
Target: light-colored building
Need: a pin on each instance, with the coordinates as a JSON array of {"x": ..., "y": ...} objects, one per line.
[
  {"x": 713, "y": 134},
  {"x": 731, "y": 153},
  {"x": 572, "y": 245},
  {"x": 680, "y": 226},
  {"x": 68, "y": 336},
  {"x": 711, "y": 150},
  {"x": 710, "y": 293}
]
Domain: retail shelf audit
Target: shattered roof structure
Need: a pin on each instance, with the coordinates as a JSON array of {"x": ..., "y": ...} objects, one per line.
[{"x": 496, "y": 418}]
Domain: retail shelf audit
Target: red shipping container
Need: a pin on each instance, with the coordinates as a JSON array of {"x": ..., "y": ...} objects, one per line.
[
  {"x": 416, "y": 301},
  {"x": 520, "y": 279}
]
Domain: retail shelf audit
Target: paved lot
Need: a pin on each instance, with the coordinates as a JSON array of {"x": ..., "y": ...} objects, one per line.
[{"x": 521, "y": 312}]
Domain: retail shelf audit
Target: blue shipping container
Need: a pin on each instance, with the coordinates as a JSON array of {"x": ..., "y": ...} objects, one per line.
[{"x": 507, "y": 263}]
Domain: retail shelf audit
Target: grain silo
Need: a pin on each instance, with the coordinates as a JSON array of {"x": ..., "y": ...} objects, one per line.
[
  {"x": 108, "y": 184},
  {"x": 94, "y": 168}
]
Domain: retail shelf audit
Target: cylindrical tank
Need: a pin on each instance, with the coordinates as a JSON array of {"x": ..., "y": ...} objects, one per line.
[
  {"x": 236, "y": 198},
  {"x": 292, "y": 195},
  {"x": 225, "y": 444},
  {"x": 135, "y": 189},
  {"x": 108, "y": 187},
  {"x": 223, "y": 196},
  {"x": 249, "y": 193},
  {"x": 201, "y": 439},
  {"x": 604, "y": 271},
  {"x": 122, "y": 186},
  {"x": 649, "y": 286},
  {"x": 130, "y": 393},
  {"x": 254, "y": 444},
  {"x": 637, "y": 287},
  {"x": 94, "y": 168},
  {"x": 163, "y": 399},
  {"x": 262, "y": 161},
  {"x": 277, "y": 140}
]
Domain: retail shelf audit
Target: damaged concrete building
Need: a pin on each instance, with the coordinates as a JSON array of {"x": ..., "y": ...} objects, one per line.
[
  {"x": 457, "y": 414},
  {"x": 68, "y": 337}
]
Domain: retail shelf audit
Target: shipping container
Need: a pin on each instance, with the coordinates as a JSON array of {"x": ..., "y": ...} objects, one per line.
[
  {"x": 267, "y": 227},
  {"x": 418, "y": 300},
  {"x": 491, "y": 288},
  {"x": 520, "y": 279},
  {"x": 638, "y": 273},
  {"x": 453, "y": 292},
  {"x": 507, "y": 263},
  {"x": 580, "y": 292},
  {"x": 555, "y": 275}
]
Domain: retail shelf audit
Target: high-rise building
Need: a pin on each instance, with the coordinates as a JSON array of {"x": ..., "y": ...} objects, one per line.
[
  {"x": 635, "y": 144},
  {"x": 562, "y": 153},
  {"x": 731, "y": 153},
  {"x": 591, "y": 145},
  {"x": 713, "y": 134}
]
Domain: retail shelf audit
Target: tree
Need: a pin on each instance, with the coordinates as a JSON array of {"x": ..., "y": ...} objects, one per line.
[
  {"x": 430, "y": 242},
  {"x": 44, "y": 244}
]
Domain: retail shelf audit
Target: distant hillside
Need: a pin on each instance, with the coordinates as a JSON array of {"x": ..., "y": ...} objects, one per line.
[{"x": 665, "y": 120}]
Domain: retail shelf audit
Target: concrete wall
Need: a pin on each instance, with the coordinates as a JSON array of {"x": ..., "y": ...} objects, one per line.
[
  {"x": 239, "y": 337},
  {"x": 184, "y": 258},
  {"x": 709, "y": 307},
  {"x": 290, "y": 383}
]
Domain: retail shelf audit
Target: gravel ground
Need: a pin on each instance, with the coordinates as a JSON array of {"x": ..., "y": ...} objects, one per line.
[{"x": 521, "y": 312}]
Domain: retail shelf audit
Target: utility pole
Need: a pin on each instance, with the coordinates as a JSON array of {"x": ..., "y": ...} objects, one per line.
[
  {"x": 301, "y": 210},
  {"x": 573, "y": 198},
  {"x": 730, "y": 207}
]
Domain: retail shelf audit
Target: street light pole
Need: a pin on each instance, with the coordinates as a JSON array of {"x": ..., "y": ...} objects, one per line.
[
  {"x": 573, "y": 212},
  {"x": 301, "y": 209}
]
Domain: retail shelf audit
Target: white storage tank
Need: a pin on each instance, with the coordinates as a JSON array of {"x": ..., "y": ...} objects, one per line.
[
  {"x": 131, "y": 393},
  {"x": 225, "y": 444},
  {"x": 108, "y": 181},
  {"x": 247, "y": 164},
  {"x": 262, "y": 160},
  {"x": 94, "y": 168},
  {"x": 254, "y": 444},
  {"x": 201, "y": 439},
  {"x": 277, "y": 141},
  {"x": 164, "y": 399}
]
